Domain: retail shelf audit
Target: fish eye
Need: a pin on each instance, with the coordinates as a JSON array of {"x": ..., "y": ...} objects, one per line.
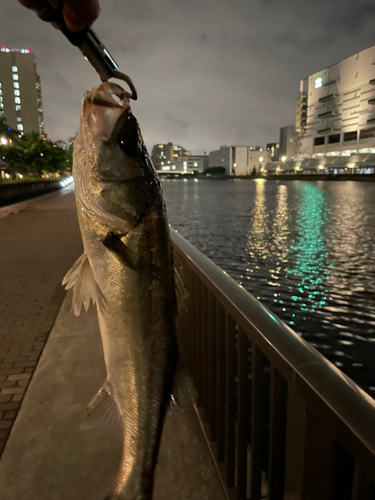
[{"x": 128, "y": 138}]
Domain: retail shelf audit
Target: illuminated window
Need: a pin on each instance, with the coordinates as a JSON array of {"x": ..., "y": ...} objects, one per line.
[
  {"x": 14, "y": 69},
  {"x": 16, "y": 85},
  {"x": 20, "y": 126},
  {"x": 15, "y": 76},
  {"x": 17, "y": 92},
  {"x": 1, "y": 105},
  {"x": 19, "y": 119},
  {"x": 17, "y": 100},
  {"x": 1, "y": 98},
  {"x": 18, "y": 108}
]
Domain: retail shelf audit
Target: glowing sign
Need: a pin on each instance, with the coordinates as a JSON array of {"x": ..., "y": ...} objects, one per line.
[{"x": 318, "y": 82}]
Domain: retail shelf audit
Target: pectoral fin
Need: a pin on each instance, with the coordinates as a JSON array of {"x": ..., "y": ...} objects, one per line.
[
  {"x": 81, "y": 279},
  {"x": 114, "y": 244}
]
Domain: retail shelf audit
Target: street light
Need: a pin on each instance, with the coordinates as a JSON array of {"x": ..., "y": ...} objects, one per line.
[
  {"x": 3, "y": 141},
  {"x": 283, "y": 159}
]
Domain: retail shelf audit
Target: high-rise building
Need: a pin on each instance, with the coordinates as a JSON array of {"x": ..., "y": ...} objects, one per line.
[
  {"x": 197, "y": 163},
  {"x": 20, "y": 91},
  {"x": 62, "y": 144},
  {"x": 273, "y": 151},
  {"x": 237, "y": 160},
  {"x": 166, "y": 156},
  {"x": 336, "y": 108},
  {"x": 289, "y": 142}
]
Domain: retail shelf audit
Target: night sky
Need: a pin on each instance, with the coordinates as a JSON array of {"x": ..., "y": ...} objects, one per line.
[{"x": 208, "y": 72}]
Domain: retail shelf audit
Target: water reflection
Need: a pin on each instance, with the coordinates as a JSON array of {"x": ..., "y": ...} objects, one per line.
[
  {"x": 309, "y": 264},
  {"x": 305, "y": 249}
]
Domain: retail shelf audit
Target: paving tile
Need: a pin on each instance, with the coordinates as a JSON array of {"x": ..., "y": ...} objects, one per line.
[
  {"x": 8, "y": 383},
  {"x": 6, "y": 424},
  {"x": 21, "y": 376},
  {"x": 12, "y": 390},
  {"x": 38, "y": 246}
]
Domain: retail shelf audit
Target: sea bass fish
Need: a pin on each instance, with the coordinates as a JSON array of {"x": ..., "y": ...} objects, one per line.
[{"x": 127, "y": 271}]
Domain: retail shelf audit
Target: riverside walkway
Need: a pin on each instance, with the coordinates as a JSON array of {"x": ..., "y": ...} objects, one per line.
[{"x": 51, "y": 364}]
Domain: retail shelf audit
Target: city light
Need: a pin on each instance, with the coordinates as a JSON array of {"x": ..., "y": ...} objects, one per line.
[
  {"x": 283, "y": 159},
  {"x": 318, "y": 82},
  {"x": 261, "y": 159},
  {"x": 67, "y": 181},
  {"x": 3, "y": 141}
]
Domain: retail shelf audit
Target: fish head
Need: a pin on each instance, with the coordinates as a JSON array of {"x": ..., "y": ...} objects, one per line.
[
  {"x": 113, "y": 173},
  {"x": 109, "y": 142}
]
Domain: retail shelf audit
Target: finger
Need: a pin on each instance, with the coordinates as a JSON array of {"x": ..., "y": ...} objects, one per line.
[{"x": 79, "y": 14}]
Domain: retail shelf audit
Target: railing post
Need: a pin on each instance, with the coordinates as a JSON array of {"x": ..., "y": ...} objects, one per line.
[
  {"x": 363, "y": 489},
  {"x": 295, "y": 438},
  {"x": 221, "y": 385},
  {"x": 242, "y": 414},
  {"x": 318, "y": 460},
  {"x": 198, "y": 340},
  {"x": 205, "y": 354},
  {"x": 276, "y": 468},
  {"x": 213, "y": 365},
  {"x": 230, "y": 332},
  {"x": 256, "y": 424}
]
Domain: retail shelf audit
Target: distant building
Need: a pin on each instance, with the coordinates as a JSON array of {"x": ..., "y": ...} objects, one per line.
[
  {"x": 169, "y": 157},
  {"x": 237, "y": 160},
  {"x": 62, "y": 144},
  {"x": 197, "y": 163},
  {"x": 273, "y": 151},
  {"x": 289, "y": 142},
  {"x": 20, "y": 91},
  {"x": 336, "y": 108}
]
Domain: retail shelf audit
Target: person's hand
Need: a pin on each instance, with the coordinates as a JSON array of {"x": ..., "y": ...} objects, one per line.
[{"x": 77, "y": 13}]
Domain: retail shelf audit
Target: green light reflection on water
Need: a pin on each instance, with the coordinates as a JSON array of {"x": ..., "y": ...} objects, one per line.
[{"x": 310, "y": 251}]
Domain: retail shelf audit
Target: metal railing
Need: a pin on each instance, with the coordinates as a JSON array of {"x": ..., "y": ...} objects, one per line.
[{"x": 282, "y": 421}]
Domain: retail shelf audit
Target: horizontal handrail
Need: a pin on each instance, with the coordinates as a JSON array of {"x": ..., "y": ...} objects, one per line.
[{"x": 334, "y": 396}]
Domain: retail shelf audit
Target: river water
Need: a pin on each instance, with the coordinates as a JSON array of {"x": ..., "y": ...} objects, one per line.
[{"x": 305, "y": 249}]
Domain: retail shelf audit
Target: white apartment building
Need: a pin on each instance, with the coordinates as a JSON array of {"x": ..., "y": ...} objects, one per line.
[
  {"x": 336, "y": 108},
  {"x": 237, "y": 160},
  {"x": 20, "y": 91}
]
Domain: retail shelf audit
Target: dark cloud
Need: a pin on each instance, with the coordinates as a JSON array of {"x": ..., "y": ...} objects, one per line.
[{"x": 208, "y": 72}]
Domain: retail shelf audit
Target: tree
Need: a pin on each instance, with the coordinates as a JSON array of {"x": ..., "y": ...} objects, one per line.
[
  {"x": 254, "y": 172},
  {"x": 5, "y": 131},
  {"x": 35, "y": 156}
]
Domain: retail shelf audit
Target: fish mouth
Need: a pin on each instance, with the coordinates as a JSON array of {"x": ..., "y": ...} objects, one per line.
[
  {"x": 102, "y": 107},
  {"x": 108, "y": 94}
]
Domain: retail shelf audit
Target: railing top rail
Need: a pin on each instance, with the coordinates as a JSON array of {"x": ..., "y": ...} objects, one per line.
[{"x": 344, "y": 403}]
